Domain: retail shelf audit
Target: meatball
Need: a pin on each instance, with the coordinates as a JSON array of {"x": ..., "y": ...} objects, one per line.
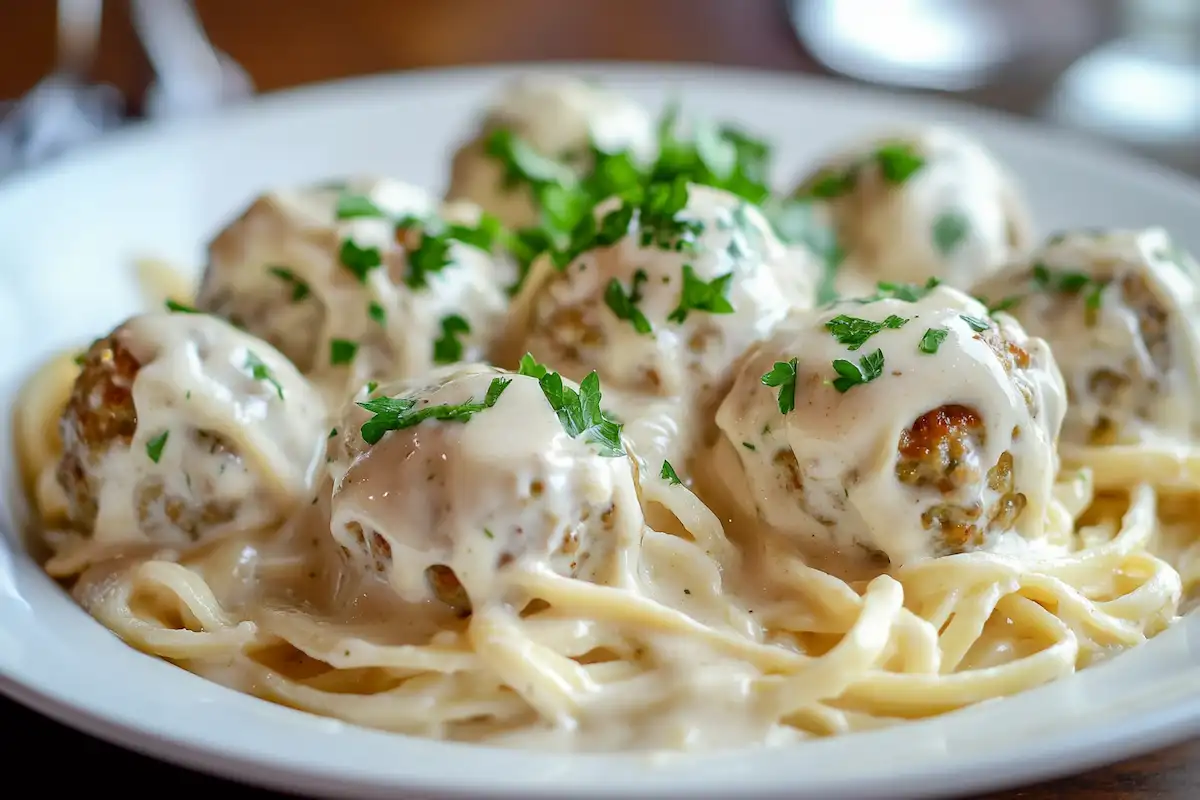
[
  {"x": 666, "y": 304},
  {"x": 1121, "y": 310},
  {"x": 180, "y": 427},
  {"x": 930, "y": 204},
  {"x": 909, "y": 424},
  {"x": 558, "y": 118},
  {"x": 445, "y": 504},
  {"x": 358, "y": 282}
]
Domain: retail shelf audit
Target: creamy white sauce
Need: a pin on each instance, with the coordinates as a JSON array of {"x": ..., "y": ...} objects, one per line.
[
  {"x": 842, "y": 490},
  {"x": 559, "y": 117},
  {"x": 194, "y": 379},
  {"x": 393, "y": 324},
  {"x": 902, "y": 232},
  {"x": 1124, "y": 332}
]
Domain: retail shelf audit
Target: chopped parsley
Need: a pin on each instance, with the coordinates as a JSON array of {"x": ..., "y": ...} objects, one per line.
[
  {"x": 154, "y": 447},
  {"x": 1069, "y": 282},
  {"x": 332, "y": 432},
  {"x": 355, "y": 206},
  {"x": 376, "y": 313},
  {"x": 898, "y": 161},
  {"x": 977, "y": 325},
  {"x": 261, "y": 372},
  {"x": 669, "y": 475},
  {"x": 855, "y": 331},
  {"x": 80, "y": 359},
  {"x": 531, "y": 367},
  {"x": 830, "y": 184},
  {"x": 658, "y": 218},
  {"x": 908, "y": 292},
  {"x": 625, "y": 305},
  {"x": 932, "y": 340},
  {"x": 488, "y": 533},
  {"x": 580, "y": 413},
  {"x": 359, "y": 260},
  {"x": 783, "y": 376},
  {"x": 700, "y": 295},
  {"x": 1004, "y": 304},
  {"x": 371, "y": 386},
  {"x": 950, "y": 229},
  {"x": 172, "y": 305},
  {"x": 869, "y": 368},
  {"x": 300, "y": 289},
  {"x": 342, "y": 351},
  {"x": 522, "y": 163},
  {"x": 394, "y": 414},
  {"x": 715, "y": 155},
  {"x": 447, "y": 348},
  {"x": 749, "y": 446}
]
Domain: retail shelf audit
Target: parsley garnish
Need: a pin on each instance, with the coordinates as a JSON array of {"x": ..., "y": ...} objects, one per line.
[
  {"x": 332, "y": 432},
  {"x": 261, "y": 372},
  {"x": 908, "y": 292},
  {"x": 430, "y": 256},
  {"x": 180, "y": 307},
  {"x": 854, "y": 331},
  {"x": 580, "y": 413},
  {"x": 669, "y": 475},
  {"x": 447, "y": 348},
  {"x": 376, "y": 313},
  {"x": 1069, "y": 282},
  {"x": 699, "y": 295},
  {"x": 977, "y": 325},
  {"x": 898, "y": 161},
  {"x": 831, "y": 184},
  {"x": 868, "y": 369},
  {"x": 394, "y": 414},
  {"x": 531, "y": 367},
  {"x": 749, "y": 446},
  {"x": 783, "y": 376},
  {"x": 716, "y": 155},
  {"x": 342, "y": 351},
  {"x": 359, "y": 260},
  {"x": 155, "y": 446},
  {"x": 949, "y": 231},
  {"x": 625, "y": 305},
  {"x": 354, "y": 206},
  {"x": 522, "y": 163},
  {"x": 1012, "y": 301},
  {"x": 488, "y": 533},
  {"x": 300, "y": 289},
  {"x": 371, "y": 386},
  {"x": 80, "y": 359},
  {"x": 932, "y": 340}
]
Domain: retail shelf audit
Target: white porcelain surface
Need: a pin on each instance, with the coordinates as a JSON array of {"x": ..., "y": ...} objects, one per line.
[{"x": 68, "y": 233}]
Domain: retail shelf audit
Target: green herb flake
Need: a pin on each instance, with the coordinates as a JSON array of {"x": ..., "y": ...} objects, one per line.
[
  {"x": 855, "y": 331},
  {"x": 394, "y": 414},
  {"x": 749, "y": 446},
  {"x": 1004, "y": 304},
  {"x": 978, "y": 325},
  {"x": 531, "y": 367},
  {"x": 669, "y": 475},
  {"x": 783, "y": 377},
  {"x": 932, "y": 340},
  {"x": 154, "y": 447},
  {"x": 488, "y": 533},
  {"x": 356, "y": 206},
  {"x": 376, "y": 312},
  {"x": 300, "y": 289},
  {"x": 342, "y": 351},
  {"x": 332, "y": 432},
  {"x": 869, "y": 368},
  {"x": 180, "y": 308},
  {"x": 950, "y": 230},
  {"x": 261, "y": 372},
  {"x": 699, "y": 295},
  {"x": 624, "y": 306},
  {"x": 580, "y": 412},
  {"x": 898, "y": 161},
  {"x": 371, "y": 386},
  {"x": 359, "y": 260},
  {"x": 448, "y": 348}
]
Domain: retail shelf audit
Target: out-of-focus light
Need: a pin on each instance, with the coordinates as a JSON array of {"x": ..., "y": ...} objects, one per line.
[{"x": 940, "y": 44}]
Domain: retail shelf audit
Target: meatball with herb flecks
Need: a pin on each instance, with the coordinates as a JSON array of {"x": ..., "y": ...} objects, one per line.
[
  {"x": 365, "y": 280},
  {"x": 180, "y": 427},
  {"x": 932, "y": 203},
  {"x": 910, "y": 423},
  {"x": 1120, "y": 308},
  {"x": 444, "y": 485}
]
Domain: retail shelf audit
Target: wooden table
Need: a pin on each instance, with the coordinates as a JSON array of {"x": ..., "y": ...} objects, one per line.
[{"x": 288, "y": 42}]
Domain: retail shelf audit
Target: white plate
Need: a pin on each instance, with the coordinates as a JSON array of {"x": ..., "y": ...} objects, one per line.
[{"x": 68, "y": 232}]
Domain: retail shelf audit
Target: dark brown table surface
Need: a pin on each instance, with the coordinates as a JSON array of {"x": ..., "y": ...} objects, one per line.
[{"x": 284, "y": 43}]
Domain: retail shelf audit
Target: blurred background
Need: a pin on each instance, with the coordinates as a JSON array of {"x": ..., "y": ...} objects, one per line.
[{"x": 1126, "y": 70}]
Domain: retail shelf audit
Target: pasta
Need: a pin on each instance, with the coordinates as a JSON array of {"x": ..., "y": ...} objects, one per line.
[{"x": 727, "y": 531}]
